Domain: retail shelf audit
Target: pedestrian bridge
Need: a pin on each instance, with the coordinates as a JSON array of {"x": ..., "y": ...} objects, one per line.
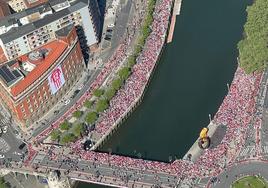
[{"x": 60, "y": 170}]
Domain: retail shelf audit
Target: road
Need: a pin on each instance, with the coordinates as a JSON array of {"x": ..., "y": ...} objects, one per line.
[
  {"x": 226, "y": 178},
  {"x": 105, "y": 170}
]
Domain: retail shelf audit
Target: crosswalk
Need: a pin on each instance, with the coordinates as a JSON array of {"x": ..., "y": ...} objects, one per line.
[
  {"x": 4, "y": 147},
  {"x": 249, "y": 150},
  {"x": 265, "y": 150}
]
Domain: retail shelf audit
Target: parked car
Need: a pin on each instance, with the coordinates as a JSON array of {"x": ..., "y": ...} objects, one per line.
[
  {"x": 4, "y": 129},
  {"x": 67, "y": 102},
  {"x": 2, "y": 156},
  {"x": 22, "y": 146}
]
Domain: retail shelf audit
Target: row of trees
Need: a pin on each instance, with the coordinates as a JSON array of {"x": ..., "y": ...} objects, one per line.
[
  {"x": 253, "y": 48},
  {"x": 69, "y": 133}
]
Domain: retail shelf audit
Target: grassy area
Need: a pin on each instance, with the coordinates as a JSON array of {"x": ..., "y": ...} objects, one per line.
[{"x": 250, "y": 182}]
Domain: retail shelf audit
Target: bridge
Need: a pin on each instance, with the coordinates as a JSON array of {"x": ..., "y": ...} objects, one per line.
[{"x": 59, "y": 165}]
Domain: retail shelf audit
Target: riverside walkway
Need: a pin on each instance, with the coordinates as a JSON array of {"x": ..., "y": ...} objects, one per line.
[{"x": 235, "y": 114}]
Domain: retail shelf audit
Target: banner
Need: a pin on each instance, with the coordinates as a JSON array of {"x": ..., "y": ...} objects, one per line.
[{"x": 56, "y": 79}]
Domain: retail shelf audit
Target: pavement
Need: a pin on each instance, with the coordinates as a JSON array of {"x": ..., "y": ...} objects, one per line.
[
  {"x": 88, "y": 168},
  {"x": 21, "y": 181},
  {"x": 236, "y": 171}
]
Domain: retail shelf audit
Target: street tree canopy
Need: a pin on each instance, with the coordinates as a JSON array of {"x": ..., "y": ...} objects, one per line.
[
  {"x": 55, "y": 135},
  {"x": 253, "y": 48},
  {"x": 88, "y": 103},
  {"x": 98, "y": 92},
  {"x": 101, "y": 105},
  {"x": 91, "y": 117},
  {"x": 65, "y": 125},
  {"x": 67, "y": 138},
  {"x": 78, "y": 129},
  {"x": 77, "y": 114}
]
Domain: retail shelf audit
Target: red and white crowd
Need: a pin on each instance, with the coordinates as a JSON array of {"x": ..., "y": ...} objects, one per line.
[{"x": 235, "y": 113}]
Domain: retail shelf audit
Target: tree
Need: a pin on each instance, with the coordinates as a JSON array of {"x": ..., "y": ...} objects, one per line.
[
  {"x": 98, "y": 92},
  {"x": 131, "y": 61},
  {"x": 124, "y": 73},
  {"x": 101, "y": 105},
  {"x": 109, "y": 94},
  {"x": 117, "y": 83},
  {"x": 91, "y": 117},
  {"x": 78, "y": 129},
  {"x": 67, "y": 138},
  {"x": 77, "y": 114},
  {"x": 3, "y": 183},
  {"x": 55, "y": 135},
  {"x": 253, "y": 50},
  {"x": 88, "y": 103},
  {"x": 65, "y": 125}
]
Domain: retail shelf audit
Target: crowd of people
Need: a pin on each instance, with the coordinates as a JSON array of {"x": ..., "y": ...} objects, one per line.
[
  {"x": 235, "y": 113},
  {"x": 112, "y": 64}
]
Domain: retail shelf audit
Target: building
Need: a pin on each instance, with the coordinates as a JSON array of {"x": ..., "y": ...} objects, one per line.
[
  {"x": 25, "y": 31},
  {"x": 4, "y": 9},
  {"x": 35, "y": 82},
  {"x": 21, "y": 5}
]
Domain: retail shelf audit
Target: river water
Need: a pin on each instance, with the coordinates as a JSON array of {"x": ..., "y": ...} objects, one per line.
[{"x": 189, "y": 83}]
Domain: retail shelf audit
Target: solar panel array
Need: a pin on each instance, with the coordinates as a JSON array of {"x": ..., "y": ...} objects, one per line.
[{"x": 7, "y": 75}]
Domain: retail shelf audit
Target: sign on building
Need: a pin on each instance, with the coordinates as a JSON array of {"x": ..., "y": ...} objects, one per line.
[{"x": 56, "y": 80}]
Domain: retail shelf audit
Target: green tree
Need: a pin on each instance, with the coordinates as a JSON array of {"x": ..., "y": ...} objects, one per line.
[
  {"x": 91, "y": 117},
  {"x": 109, "y": 94},
  {"x": 117, "y": 83},
  {"x": 101, "y": 105},
  {"x": 77, "y": 114},
  {"x": 77, "y": 129},
  {"x": 131, "y": 61},
  {"x": 55, "y": 135},
  {"x": 88, "y": 103},
  {"x": 65, "y": 126},
  {"x": 2, "y": 183},
  {"x": 67, "y": 138},
  {"x": 253, "y": 50},
  {"x": 98, "y": 92},
  {"x": 124, "y": 73}
]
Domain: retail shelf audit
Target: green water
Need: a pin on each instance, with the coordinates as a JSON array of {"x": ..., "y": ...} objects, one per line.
[{"x": 189, "y": 82}]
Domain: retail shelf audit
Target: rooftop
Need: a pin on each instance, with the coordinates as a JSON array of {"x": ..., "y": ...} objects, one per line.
[
  {"x": 9, "y": 76},
  {"x": 39, "y": 65},
  {"x": 21, "y": 30}
]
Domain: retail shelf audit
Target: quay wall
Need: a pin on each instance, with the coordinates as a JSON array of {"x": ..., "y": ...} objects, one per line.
[{"x": 137, "y": 101}]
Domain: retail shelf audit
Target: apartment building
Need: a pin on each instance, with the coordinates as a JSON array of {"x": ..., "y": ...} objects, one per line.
[
  {"x": 31, "y": 85},
  {"x": 22, "y": 32}
]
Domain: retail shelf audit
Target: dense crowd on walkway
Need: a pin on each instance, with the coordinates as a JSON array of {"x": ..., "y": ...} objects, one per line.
[{"x": 235, "y": 112}]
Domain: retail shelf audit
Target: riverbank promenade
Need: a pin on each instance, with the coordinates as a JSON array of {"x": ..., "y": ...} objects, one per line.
[{"x": 234, "y": 116}]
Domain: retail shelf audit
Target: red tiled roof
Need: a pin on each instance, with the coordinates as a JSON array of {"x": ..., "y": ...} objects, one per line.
[
  {"x": 2, "y": 56},
  {"x": 56, "y": 50}
]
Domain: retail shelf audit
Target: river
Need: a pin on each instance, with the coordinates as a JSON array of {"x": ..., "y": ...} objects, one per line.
[{"x": 189, "y": 83}]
